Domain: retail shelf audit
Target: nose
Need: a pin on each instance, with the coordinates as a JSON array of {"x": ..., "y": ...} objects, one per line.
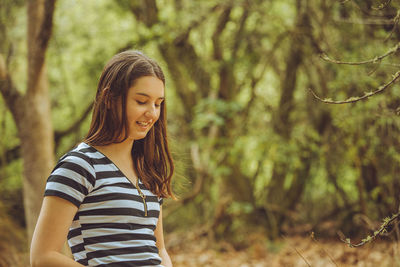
[{"x": 151, "y": 112}]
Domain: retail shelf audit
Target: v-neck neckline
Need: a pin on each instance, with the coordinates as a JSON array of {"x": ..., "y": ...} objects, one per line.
[{"x": 139, "y": 182}]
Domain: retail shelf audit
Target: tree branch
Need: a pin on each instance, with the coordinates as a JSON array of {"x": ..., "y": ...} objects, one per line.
[
  {"x": 199, "y": 20},
  {"x": 370, "y": 61},
  {"x": 239, "y": 34},
  {"x": 189, "y": 58},
  {"x": 382, "y": 229},
  {"x": 366, "y": 12},
  {"x": 3, "y": 68},
  {"x": 253, "y": 85},
  {"x": 145, "y": 11},
  {"x": 396, "y": 23},
  {"x": 226, "y": 76},
  {"x": 14, "y": 152},
  {"x": 382, "y": 6},
  {"x": 396, "y": 76},
  {"x": 11, "y": 97},
  {"x": 366, "y": 21},
  {"x": 223, "y": 20},
  {"x": 74, "y": 126},
  {"x": 39, "y": 42},
  {"x": 188, "y": 63},
  {"x": 7, "y": 88},
  {"x": 46, "y": 27}
]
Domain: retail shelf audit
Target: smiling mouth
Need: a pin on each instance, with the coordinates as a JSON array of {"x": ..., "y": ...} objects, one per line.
[{"x": 144, "y": 123}]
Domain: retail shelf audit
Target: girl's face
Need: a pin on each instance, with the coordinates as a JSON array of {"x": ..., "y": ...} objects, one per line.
[{"x": 143, "y": 105}]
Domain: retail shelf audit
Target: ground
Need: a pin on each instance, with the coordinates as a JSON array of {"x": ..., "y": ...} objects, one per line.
[
  {"x": 189, "y": 249},
  {"x": 291, "y": 251}
]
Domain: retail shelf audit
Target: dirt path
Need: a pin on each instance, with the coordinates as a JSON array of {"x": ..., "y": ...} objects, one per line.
[{"x": 293, "y": 251}]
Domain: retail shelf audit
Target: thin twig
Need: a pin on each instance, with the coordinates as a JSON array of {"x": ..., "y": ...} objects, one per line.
[
  {"x": 375, "y": 60},
  {"x": 353, "y": 99},
  {"x": 396, "y": 246},
  {"x": 326, "y": 252},
  {"x": 377, "y": 21},
  {"x": 396, "y": 23},
  {"x": 3, "y": 68},
  {"x": 304, "y": 259},
  {"x": 375, "y": 68},
  {"x": 387, "y": 221},
  {"x": 382, "y": 6},
  {"x": 362, "y": 9}
]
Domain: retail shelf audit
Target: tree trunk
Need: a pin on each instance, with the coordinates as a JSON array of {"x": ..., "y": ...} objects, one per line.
[
  {"x": 31, "y": 111},
  {"x": 35, "y": 127},
  {"x": 37, "y": 147},
  {"x": 277, "y": 195}
]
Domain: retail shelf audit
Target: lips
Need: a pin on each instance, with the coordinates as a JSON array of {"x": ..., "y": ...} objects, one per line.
[{"x": 144, "y": 124}]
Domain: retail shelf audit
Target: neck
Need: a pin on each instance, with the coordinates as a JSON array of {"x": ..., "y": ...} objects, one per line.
[{"x": 118, "y": 150}]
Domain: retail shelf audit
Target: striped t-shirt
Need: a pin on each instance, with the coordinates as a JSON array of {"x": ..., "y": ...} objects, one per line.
[{"x": 110, "y": 227}]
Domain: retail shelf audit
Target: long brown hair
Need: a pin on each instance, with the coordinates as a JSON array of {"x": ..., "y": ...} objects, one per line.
[{"x": 152, "y": 159}]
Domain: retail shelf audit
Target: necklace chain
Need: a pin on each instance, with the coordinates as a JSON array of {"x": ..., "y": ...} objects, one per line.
[{"x": 143, "y": 196}]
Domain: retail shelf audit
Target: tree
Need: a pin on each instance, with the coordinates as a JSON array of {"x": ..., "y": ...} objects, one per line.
[
  {"x": 375, "y": 164},
  {"x": 31, "y": 110},
  {"x": 211, "y": 80},
  {"x": 255, "y": 146}
]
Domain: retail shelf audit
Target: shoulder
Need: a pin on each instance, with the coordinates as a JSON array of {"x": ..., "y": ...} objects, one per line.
[
  {"x": 74, "y": 176},
  {"x": 82, "y": 154},
  {"x": 82, "y": 151},
  {"x": 79, "y": 160}
]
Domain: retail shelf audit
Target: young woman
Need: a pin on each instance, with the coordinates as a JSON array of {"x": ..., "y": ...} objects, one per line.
[{"x": 105, "y": 196}]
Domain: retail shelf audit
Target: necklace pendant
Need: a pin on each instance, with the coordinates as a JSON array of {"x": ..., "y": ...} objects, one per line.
[
  {"x": 143, "y": 196},
  {"x": 145, "y": 207}
]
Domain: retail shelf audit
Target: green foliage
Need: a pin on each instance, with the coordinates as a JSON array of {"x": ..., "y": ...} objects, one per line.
[
  {"x": 323, "y": 159},
  {"x": 213, "y": 112}
]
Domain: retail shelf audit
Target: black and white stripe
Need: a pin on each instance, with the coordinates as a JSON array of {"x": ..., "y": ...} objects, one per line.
[{"x": 109, "y": 228}]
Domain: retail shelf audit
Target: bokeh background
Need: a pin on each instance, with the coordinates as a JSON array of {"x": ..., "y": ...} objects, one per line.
[{"x": 260, "y": 162}]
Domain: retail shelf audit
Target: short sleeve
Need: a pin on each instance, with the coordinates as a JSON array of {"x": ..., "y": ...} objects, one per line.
[
  {"x": 160, "y": 200},
  {"x": 72, "y": 178}
]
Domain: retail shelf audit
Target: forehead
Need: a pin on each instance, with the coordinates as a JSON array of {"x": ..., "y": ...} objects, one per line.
[{"x": 148, "y": 86}]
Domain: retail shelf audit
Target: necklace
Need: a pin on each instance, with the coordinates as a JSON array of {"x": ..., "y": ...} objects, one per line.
[{"x": 143, "y": 196}]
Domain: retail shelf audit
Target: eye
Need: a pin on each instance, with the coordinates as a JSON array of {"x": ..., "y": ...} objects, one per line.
[{"x": 140, "y": 102}]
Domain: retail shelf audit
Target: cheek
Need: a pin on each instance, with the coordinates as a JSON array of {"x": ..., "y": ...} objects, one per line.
[
  {"x": 133, "y": 112},
  {"x": 158, "y": 114}
]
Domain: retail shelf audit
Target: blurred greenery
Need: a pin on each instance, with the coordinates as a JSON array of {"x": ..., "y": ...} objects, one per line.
[{"x": 243, "y": 126}]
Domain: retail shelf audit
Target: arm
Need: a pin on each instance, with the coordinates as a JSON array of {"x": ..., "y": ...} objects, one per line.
[
  {"x": 51, "y": 231},
  {"x": 158, "y": 232}
]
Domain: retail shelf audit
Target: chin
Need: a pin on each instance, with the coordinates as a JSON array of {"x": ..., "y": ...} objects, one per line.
[{"x": 138, "y": 136}]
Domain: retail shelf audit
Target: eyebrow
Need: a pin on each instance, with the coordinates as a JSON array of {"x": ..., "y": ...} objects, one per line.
[{"x": 143, "y": 94}]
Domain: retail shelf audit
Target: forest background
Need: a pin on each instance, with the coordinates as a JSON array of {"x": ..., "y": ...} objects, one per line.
[{"x": 259, "y": 160}]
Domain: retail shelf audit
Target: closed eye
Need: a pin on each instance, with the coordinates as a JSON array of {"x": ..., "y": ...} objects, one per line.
[{"x": 143, "y": 103}]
